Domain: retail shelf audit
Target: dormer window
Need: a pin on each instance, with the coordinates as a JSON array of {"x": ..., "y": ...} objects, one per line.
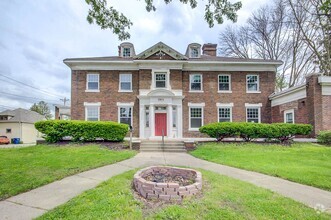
[
  {"x": 126, "y": 50},
  {"x": 194, "y": 52}
]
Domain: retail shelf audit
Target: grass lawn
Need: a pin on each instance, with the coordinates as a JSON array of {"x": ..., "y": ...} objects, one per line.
[
  {"x": 224, "y": 198},
  {"x": 304, "y": 163},
  {"x": 23, "y": 169}
]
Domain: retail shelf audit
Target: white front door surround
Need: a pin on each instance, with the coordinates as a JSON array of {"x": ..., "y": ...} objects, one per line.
[{"x": 160, "y": 100}]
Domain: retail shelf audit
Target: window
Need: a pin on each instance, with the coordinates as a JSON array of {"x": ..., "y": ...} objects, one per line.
[
  {"x": 224, "y": 83},
  {"x": 195, "y": 118},
  {"x": 92, "y": 82},
  {"x": 126, "y": 52},
  {"x": 195, "y": 82},
  {"x": 92, "y": 113},
  {"x": 147, "y": 116},
  {"x": 8, "y": 130},
  {"x": 224, "y": 114},
  {"x": 174, "y": 117},
  {"x": 289, "y": 116},
  {"x": 125, "y": 115},
  {"x": 194, "y": 52},
  {"x": 126, "y": 82},
  {"x": 160, "y": 80},
  {"x": 252, "y": 83},
  {"x": 253, "y": 115}
]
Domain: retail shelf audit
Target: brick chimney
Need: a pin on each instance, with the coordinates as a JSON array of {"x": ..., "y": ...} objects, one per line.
[{"x": 209, "y": 49}]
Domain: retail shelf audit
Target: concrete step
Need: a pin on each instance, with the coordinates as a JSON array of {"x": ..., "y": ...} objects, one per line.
[
  {"x": 162, "y": 150},
  {"x": 160, "y": 147}
]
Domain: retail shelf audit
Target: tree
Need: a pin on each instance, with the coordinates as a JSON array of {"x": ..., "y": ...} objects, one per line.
[
  {"x": 270, "y": 33},
  {"x": 110, "y": 18},
  {"x": 42, "y": 108}
]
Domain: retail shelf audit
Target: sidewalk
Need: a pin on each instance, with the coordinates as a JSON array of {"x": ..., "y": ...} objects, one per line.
[
  {"x": 38, "y": 201},
  {"x": 2, "y": 146}
]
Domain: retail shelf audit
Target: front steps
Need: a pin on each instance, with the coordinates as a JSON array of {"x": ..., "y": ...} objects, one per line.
[{"x": 157, "y": 146}]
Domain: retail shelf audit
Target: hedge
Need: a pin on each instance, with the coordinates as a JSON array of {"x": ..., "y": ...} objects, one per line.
[
  {"x": 56, "y": 130},
  {"x": 324, "y": 137},
  {"x": 248, "y": 131}
]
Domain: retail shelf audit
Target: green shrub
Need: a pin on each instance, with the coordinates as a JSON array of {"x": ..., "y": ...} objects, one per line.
[
  {"x": 248, "y": 131},
  {"x": 324, "y": 137},
  {"x": 56, "y": 130}
]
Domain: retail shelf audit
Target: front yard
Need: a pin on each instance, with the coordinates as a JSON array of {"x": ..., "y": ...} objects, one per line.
[
  {"x": 304, "y": 163},
  {"x": 222, "y": 198},
  {"x": 24, "y": 169}
]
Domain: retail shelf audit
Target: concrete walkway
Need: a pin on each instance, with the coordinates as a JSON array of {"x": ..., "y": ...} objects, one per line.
[
  {"x": 38, "y": 201},
  {"x": 16, "y": 145}
]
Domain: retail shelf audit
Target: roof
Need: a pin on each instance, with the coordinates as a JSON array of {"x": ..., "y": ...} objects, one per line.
[{"x": 22, "y": 115}]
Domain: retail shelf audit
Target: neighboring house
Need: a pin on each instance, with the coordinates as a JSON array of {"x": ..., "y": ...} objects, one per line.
[
  {"x": 161, "y": 91},
  {"x": 19, "y": 123},
  {"x": 309, "y": 103},
  {"x": 62, "y": 112}
]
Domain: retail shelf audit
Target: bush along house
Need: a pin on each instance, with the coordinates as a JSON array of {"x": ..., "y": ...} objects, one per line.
[{"x": 161, "y": 91}]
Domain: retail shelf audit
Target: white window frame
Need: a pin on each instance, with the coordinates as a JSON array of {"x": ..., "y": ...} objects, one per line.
[
  {"x": 190, "y": 52},
  {"x": 158, "y": 71},
  {"x": 289, "y": 111},
  {"x": 92, "y": 104},
  {"x": 258, "y": 83},
  {"x": 257, "y": 106},
  {"x": 130, "y": 49},
  {"x": 124, "y": 105},
  {"x": 218, "y": 81},
  {"x": 119, "y": 86},
  {"x": 195, "y": 105},
  {"x": 224, "y": 105},
  {"x": 92, "y": 90},
  {"x": 201, "y": 79}
]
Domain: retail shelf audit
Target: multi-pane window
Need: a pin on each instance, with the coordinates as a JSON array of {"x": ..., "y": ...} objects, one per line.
[
  {"x": 126, "y": 52},
  {"x": 126, "y": 82},
  {"x": 92, "y": 113},
  {"x": 147, "y": 116},
  {"x": 253, "y": 115},
  {"x": 224, "y": 83},
  {"x": 195, "y": 117},
  {"x": 196, "y": 82},
  {"x": 92, "y": 81},
  {"x": 194, "y": 52},
  {"x": 224, "y": 114},
  {"x": 174, "y": 117},
  {"x": 160, "y": 80},
  {"x": 125, "y": 115},
  {"x": 252, "y": 82},
  {"x": 289, "y": 116}
]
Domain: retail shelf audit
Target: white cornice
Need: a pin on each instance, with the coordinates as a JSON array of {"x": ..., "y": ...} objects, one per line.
[{"x": 290, "y": 95}]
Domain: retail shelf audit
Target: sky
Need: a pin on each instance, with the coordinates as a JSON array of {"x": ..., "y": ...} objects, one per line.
[{"x": 37, "y": 35}]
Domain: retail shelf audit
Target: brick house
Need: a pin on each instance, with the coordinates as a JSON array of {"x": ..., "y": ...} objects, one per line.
[{"x": 161, "y": 91}]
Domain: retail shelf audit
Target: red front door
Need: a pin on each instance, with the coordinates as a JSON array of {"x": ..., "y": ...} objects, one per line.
[{"x": 160, "y": 124}]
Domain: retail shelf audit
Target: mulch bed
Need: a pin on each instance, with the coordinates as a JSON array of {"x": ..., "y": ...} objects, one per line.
[
  {"x": 164, "y": 178},
  {"x": 108, "y": 144}
]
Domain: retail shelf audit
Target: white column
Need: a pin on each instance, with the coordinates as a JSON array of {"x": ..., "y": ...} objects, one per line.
[
  {"x": 169, "y": 108},
  {"x": 142, "y": 121},
  {"x": 152, "y": 120},
  {"x": 180, "y": 121}
]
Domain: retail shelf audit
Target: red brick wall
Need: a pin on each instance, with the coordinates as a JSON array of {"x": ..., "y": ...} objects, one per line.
[
  {"x": 239, "y": 97},
  {"x": 300, "y": 111},
  {"x": 108, "y": 96}
]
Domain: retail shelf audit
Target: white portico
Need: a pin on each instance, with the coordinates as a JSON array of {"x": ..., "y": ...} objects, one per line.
[{"x": 160, "y": 114}]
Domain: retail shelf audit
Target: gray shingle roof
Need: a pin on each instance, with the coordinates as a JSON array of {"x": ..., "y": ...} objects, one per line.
[{"x": 22, "y": 115}]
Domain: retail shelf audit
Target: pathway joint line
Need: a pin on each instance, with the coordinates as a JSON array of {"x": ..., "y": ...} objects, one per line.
[{"x": 34, "y": 207}]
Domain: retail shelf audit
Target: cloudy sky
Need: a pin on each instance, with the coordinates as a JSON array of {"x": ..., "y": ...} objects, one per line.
[{"x": 36, "y": 35}]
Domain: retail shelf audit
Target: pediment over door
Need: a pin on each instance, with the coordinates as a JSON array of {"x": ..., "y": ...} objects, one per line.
[{"x": 160, "y": 51}]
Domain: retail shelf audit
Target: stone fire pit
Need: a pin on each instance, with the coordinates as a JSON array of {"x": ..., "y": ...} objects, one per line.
[{"x": 167, "y": 183}]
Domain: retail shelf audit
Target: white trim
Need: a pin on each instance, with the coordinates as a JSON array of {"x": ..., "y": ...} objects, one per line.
[
  {"x": 191, "y": 104},
  {"x": 119, "y": 82},
  {"x": 201, "y": 83},
  {"x": 125, "y": 104},
  {"x": 224, "y": 105},
  {"x": 92, "y": 90},
  {"x": 92, "y": 104},
  {"x": 289, "y": 111},
  {"x": 258, "y": 84},
  {"x": 289, "y": 95},
  {"x": 197, "y": 105},
  {"x": 161, "y": 71},
  {"x": 218, "y": 83},
  {"x": 325, "y": 82},
  {"x": 119, "y": 112}
]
